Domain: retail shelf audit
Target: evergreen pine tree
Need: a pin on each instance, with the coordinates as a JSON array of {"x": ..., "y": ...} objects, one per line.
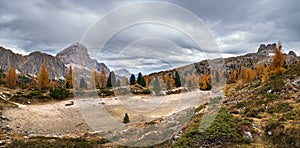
[
  {"x": 126, "y": 119},
  {"x": 141, "y": 80},
  {"x": 177, "y": 80},
  {"x": 111, "y": 81},
  {"x": 132, "y": 79}
]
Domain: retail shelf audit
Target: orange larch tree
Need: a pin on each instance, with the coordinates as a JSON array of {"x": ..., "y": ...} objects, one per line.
[
  {"x": 43, "y": 78},
  {"x": 11, "y": 78},
  {"x": 233, "y": 76},
  {"x": 69, "y": 78},
  {"x": 103, "y": 78},
  {"x": 277, "y": 65}
]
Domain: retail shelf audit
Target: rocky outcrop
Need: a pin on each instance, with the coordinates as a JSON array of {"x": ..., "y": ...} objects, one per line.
[
  {"x": 31, "y": 63},
  {"x": 263, "y": 48},
  {"x": 292, "y": 53},
  {"x": 77, "y": 55}
]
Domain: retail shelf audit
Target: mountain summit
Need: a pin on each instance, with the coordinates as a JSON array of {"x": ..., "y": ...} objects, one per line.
[{"x": 77, "y": 55}]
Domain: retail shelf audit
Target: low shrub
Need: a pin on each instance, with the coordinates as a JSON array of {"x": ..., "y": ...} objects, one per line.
[
  {"x": 35, "y": 93},
  {"x": 107, "y": 92},
  {"x": 279, "y": 135},
  {"x": 146, "y": 91},
  {"x": 271, "y": 97},
  {"x": 59, "y": 93},
  {"x": 280, "y": 108}
]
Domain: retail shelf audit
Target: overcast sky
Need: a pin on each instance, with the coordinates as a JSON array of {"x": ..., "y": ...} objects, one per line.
[{"x": 237, "y": 27}]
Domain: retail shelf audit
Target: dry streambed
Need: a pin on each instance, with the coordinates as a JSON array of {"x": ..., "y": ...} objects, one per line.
[{"x": 57, "y": 119}]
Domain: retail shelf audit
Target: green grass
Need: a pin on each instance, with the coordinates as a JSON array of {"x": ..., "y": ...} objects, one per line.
[{"x": 224, "y": 128}]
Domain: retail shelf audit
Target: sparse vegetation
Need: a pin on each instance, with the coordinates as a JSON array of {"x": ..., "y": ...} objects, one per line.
[
  {"x": 222, "y": 130},
  {"x": 59, "y": 93}
]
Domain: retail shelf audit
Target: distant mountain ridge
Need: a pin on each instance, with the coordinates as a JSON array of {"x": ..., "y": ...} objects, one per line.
[
  {"x": 122, "y": 73},
  {"x": 31, "y": 63},
  {"x": 57, "y": 66},
  {"x": 250, "y": 60}
]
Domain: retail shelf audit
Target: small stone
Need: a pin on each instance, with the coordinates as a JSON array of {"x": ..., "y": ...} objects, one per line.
[
  {"x": 269, "y": 91},
  {"x": 269, "y": 133},
  {"x": 247, "y": 135}
]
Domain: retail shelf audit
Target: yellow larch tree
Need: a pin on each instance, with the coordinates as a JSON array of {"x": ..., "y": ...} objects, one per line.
[
  {"x": 94, "y": 81},
  {"x": 226, "y": 90},
  {"x": 233, "y": 76},
  {"x": 170, "y": 83},
  {"x": 43, "y": 78},
  {"x": 277, "y": 65},
  {"x": 103, "y": 78},
  {"x": 69, "y": 78},
  {"x": 11, "y": 78}
]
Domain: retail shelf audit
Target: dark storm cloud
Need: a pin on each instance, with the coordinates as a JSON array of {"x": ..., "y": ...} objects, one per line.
[{"x": 238, "y": 27}]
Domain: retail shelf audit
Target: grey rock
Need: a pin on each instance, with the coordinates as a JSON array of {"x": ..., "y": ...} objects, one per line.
[
  {"x": 77, "y": 54},
  {"x": 247, "y": 135},
  {"x": 263, "y": 48},
  {"x": 292, "y": 53},
  {"x": 31, "y": 63}
]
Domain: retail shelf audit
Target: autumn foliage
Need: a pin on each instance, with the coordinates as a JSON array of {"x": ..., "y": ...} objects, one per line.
[
  {"x": 169, "y": 81},
  {"x": 204, "y": 81},
  {"x": 43, "y": 79},
  {"x": 277, "y": 65},
  {"x": 11, "y": 78},
  {"x": 102, "y": 78},
  {"x": 69, "y": 78}
]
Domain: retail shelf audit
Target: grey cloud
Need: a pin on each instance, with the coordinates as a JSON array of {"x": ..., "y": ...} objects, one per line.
[{"x": 238, "y": 27}]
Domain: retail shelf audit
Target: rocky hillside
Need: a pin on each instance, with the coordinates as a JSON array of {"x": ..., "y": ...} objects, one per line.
[
  {"x": 261, "y": 114},
  {"x": 31, "y": 63},
  {"x": 250, "y": 60}
]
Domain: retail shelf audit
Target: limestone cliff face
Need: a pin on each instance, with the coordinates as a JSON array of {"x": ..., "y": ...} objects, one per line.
[
  {"x": 77, "y": 55},
  {"x": 32, "y": 63}
]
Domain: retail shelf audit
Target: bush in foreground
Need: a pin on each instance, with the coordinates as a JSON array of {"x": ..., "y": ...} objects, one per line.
[{"x": 59, "y": 93}]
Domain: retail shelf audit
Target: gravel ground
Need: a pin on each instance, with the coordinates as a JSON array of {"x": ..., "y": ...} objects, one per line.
[
  {"x": 61, "y": 120},
  {"x": 48, "y": 119}
]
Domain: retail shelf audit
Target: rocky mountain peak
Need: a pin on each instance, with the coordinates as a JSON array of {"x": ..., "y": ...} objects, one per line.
[
  {"x": 269, "y": 48},
  {"x": 77, "y": 55},
  {"x": 292, "y": 53}
]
